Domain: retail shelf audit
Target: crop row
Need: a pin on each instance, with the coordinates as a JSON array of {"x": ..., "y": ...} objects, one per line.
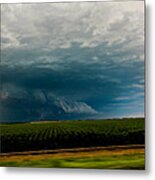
[{"x": 69, "y": 134}]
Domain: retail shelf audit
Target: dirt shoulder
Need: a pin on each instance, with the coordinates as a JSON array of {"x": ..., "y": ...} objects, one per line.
[{"x": 76, "y": 152}]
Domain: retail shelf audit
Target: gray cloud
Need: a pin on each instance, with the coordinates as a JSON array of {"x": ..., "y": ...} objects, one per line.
[
  {"x": 89, "y": 24},
  {"x": 72, "y": 60}
]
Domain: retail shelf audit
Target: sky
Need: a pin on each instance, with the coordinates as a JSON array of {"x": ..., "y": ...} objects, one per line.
[{"x": 72, "y": 61}]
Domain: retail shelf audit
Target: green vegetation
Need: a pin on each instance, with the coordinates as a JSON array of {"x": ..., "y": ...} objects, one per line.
[
  {"x": 127, "y": 159},
  {"x": 70, "y": 134}
]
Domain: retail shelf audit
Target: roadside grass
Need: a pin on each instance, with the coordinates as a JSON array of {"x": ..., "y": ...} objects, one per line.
[{"x": 95, "y": 160}]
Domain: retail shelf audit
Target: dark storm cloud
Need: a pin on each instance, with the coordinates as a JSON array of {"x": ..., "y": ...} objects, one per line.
[
  {"x": 92, "y": 68},
  {"x": 98, "y": 84}
]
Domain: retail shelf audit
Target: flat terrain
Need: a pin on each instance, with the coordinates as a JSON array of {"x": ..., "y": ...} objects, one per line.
[
  {"x": 113, "y": 157},
  {"x": 71, "y": 134},
  {"x": 103, "y": 144}
]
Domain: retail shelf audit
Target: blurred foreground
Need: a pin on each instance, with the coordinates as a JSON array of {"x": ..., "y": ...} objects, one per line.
[{"x": 114, "y": 157}]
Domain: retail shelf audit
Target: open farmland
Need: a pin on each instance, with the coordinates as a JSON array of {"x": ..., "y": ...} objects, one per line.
[{"x": 70, "y": 134}]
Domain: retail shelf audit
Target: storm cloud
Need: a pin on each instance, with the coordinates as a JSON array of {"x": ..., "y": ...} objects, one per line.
[{"x": 72, "y": 60}]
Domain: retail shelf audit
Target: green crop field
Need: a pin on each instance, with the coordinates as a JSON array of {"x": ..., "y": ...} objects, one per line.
[{"x": 70, "y": 134}]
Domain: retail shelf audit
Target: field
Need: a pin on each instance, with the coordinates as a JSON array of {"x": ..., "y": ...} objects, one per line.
[{"x": 117, "y": 143}]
